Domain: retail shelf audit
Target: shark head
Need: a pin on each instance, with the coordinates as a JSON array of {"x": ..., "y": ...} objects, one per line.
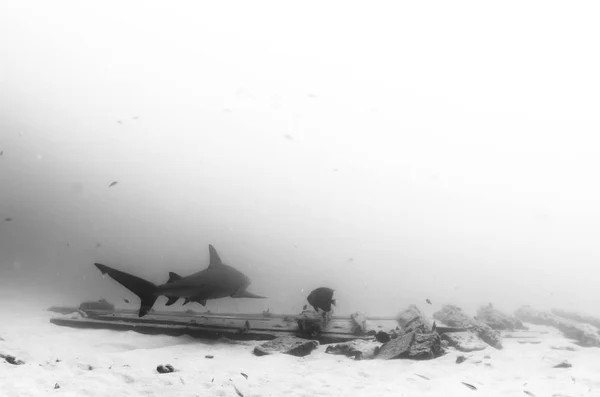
[{"x": 243, "y": 292}]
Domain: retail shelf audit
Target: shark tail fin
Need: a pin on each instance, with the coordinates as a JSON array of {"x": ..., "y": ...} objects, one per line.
[{"x": 145, "y": 290}]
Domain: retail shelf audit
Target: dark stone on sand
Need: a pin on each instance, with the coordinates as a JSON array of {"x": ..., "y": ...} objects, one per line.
[
  {"x": 585, "y": 334},
  {"x": 579, "y": 317},
  {"x": 287, "y": 345},
  {"x": 498, "y": 320},
  {"x": 165, "y": 369},
  {"x": 464, "y": 341},
  {"x": 413, "y": 345},
  {"x": 102, "y": 304},
  {"x": 453, "y": 316},
  {"x": 412, "y": 320},
  {"x": 209, "y": 356},
  {"x": 11, "y": 359},
  {"x": 357, "y": 349},
  {"x": 564, "y": 364},
  {"x": 460, "y": 359}
]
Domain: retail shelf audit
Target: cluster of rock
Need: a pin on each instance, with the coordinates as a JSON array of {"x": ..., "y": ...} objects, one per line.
[
  {"x": 498, "y": 320},
  {"x": 585, "y": 334},
  {"x": 454, "y": 316},
  {"x": 580, "y": 317}
]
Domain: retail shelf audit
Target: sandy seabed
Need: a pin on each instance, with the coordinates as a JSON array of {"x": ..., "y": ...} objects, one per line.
[{"x": 110, "y": 363}]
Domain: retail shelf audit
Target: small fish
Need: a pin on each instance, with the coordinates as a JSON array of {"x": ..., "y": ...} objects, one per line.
[
  {"x": 422, "y": 376},
  {"x": 213, "y": 379},
  {"x": 304, "y": 307},
  {"x": 1, "y": 152},
  {"x": 135, "y": 117},
  {"x": 7, "y": 219},
  {"x": 113, "y": 184},
  {"x": 126, "y": 300},
  {"x": 529, "y": 393},
  {"x": 428, "y": 301},
  {"x": 244, "y": 375},
  {"x": 98, "y": 245},
  {"x": 120, "y": 121},
  {"x": 288, "y": 137},
  {"x": 469, "y": 386},
  {"x": 321, "y": 298}
]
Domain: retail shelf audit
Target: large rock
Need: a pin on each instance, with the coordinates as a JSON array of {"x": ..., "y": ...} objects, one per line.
[
  {"x": 287, "y": 345},
  {"x": 579, "y": 317},
  {"x": 585, "y": 334},
  {"x": 311, "y": 323},
  {"x": 102, "y": 304},
  {"x": 412, "y": 320},
  {"x": 454, "y": 316},
  {"x": 359, "y": 323},
  {"x": 464, "y": 341},
  {"x": 357, "y": 349},
  {"x": 413, "y": 345},
  {"x": 498, "y": 320}
]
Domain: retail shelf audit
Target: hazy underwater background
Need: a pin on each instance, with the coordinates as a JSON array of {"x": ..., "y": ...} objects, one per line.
[{"x": 392, "y": 151}]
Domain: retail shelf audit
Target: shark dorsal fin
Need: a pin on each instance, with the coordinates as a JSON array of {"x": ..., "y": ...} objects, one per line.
[
  {"x": 173, "y": 277},
  {"x": 215, "y": 259}
]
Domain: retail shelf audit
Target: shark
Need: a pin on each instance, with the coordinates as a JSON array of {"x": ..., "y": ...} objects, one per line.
[{"x": 218, "y": 280}]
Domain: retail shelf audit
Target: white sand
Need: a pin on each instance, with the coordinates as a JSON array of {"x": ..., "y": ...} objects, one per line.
[{"x": 124, "y": 364}]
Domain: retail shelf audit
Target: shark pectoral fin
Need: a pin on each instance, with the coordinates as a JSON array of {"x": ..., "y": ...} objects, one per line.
[
  {"x": 171, "y": 300},
  {"x": 202, "y": 302},
  {"x": 246, "y": 294}
]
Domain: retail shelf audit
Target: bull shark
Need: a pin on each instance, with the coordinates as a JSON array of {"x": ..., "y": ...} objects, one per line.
[{"x": 218, "y": 280}]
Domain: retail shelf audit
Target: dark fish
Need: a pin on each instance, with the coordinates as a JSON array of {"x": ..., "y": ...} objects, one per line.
[
  {"x": 8, "y": 219},
  {"x": 321, "y": 298},
  {"x": 423, "y": 376},
  {"x": 382, "y": 337},
  {"x": 428, "y": 301},
  {"x": 529, "y": 393},
  {"x": 244, "y": 375},
  {"x": 304, "y": 307},
  {"x": 126, "y": 300},
  {"x": 239, "y": 393},
  {"x": 113, "y": 184},
  {"x": 469, "y": 386},
  {"x": 1, "y": 152}
]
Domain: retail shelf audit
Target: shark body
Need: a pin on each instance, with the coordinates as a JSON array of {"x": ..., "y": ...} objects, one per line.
[{"x": 218, "y": 280}]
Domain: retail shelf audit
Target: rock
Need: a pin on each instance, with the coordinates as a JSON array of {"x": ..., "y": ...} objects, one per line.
[
  {"x": 464, "y": 341},
  {"x": 413, "y": 345},
  {"x": 454, "y": 317},
  {"x": 498, "y": 320},
  {"x": 209, "y": 356},
  {"x": 165, "y": 369},
  {"x": 359, "y": 323},
  {"x": 564, "y": 364},
  {"x": 311, "y": 324},
  {"x": 411, "y": 319},
  {"x": 579, "y": 317},
  {"x": 11, "y": 359},
  {"x": 102, "y": 304},
  {"x": 460, "y": 359},
  {"x": 357, "y": 349},
  {"x": 287, "y": 345},
  {"x": 382, "y": 337},
  {"x": 585, "y": 334},
  {"x": 56, "y": 386}
]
